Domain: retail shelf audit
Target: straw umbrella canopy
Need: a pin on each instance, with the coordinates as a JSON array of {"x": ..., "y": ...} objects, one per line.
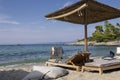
[{"x": 85, "y": 12}]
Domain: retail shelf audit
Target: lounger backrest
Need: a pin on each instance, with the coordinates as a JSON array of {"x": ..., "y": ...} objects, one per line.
[
  {"x": 67, "y": 61},
  {"x": 76, "y": 59},
  {"x": 86, "y": 56}
]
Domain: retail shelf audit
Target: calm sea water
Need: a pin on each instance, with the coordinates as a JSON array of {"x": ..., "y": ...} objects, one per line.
[{"x": 14, "y": 54}]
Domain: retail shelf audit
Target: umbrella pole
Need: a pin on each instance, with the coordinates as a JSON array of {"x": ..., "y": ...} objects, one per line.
[
  {"x": 85, "y": 31},
  {"x": 85, "y": 40}
]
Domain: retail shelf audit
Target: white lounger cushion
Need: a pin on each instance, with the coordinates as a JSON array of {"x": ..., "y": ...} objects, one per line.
[
  {"x": 48, "y": 73},
  {"x": 34, "y": 75},
  {"x": 103, "y": 63}
]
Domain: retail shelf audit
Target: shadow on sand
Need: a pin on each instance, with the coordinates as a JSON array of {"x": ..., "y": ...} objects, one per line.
[
  {"x": 108, "y": 71},
  {"x": 13, "y": 75}
]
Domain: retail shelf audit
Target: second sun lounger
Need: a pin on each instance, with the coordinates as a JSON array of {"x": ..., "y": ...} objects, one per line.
[{"x": 102, "y": 65}]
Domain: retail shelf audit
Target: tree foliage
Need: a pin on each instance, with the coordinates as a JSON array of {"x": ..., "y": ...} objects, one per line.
[
  {"x": 98, "y": 34},
  {"x": 106, "y": 33}
]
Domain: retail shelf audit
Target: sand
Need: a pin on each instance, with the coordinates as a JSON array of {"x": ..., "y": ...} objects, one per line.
[{"x": 20, "y": 71}]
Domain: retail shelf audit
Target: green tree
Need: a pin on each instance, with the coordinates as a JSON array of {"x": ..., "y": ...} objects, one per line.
[
  {"x": 118, "y": 24},
  {"x": 118, "y": 31},
  {"x": 98, "y": 34},
  {"x": 109, "y": 33}
]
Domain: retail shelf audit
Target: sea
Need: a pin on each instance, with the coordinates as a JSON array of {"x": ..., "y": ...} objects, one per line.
[{"x": 35, "y": 53}]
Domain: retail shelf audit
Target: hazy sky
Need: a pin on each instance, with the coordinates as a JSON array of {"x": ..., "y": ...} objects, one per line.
[{"x": 23, "y": 21}]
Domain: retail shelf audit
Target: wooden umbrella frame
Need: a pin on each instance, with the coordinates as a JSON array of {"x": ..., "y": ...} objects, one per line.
[{"x": 92, "y": 11}]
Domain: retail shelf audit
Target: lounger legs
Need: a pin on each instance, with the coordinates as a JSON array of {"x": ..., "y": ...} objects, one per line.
[
  {"x": 91, "y": 68},
  {"x": 77, "y": 69},
  {"x": 82, "y": 68},
  {"x": 100, "y": 71}
]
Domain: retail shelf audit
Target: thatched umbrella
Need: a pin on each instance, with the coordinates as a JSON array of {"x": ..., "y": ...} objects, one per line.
[{"x": 85, "y": 12}]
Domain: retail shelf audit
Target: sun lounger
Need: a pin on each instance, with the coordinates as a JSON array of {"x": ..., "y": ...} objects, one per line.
[
  {"x": 75, "y": 62},
  {"x": 102, "y": 65}
]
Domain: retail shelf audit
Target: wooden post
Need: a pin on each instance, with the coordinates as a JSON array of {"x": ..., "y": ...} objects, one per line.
[
  {"x": 85, "y": 31},
  {"x": 83, "y": 69},
  {"x": 85, "y": 40},
  {"x": 100, "y": 71}
]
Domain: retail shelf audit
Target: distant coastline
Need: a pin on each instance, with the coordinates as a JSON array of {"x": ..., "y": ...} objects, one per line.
[{"x": 93, "y": 43}]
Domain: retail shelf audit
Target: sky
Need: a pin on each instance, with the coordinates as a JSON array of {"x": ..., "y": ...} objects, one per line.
[{"x": 23, "y": 22}]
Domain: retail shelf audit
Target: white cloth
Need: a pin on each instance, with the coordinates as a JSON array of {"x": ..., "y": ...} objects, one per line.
[
  {"x": 118, "y": 50},
  {"x": 40, "y": 72}
]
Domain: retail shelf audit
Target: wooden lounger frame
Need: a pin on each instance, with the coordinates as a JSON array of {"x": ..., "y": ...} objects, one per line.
[
  {"x": 75, "y": 62},
  {"x": 100, "y": 69},
  {"x": 78, "y": 68}
]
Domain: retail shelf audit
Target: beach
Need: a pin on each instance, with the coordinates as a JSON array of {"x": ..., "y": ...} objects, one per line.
[
  {"x": 18, "y": 72},
  {"x": 17, "y": 61}
]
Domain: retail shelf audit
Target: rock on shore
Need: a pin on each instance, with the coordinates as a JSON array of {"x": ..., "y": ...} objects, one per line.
[{"x": 93, "y": 43}]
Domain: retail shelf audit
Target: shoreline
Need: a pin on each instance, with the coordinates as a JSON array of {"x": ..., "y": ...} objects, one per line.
[
  {"x": 15, "y": 66},
  {"x": 93, "y": 43}
]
